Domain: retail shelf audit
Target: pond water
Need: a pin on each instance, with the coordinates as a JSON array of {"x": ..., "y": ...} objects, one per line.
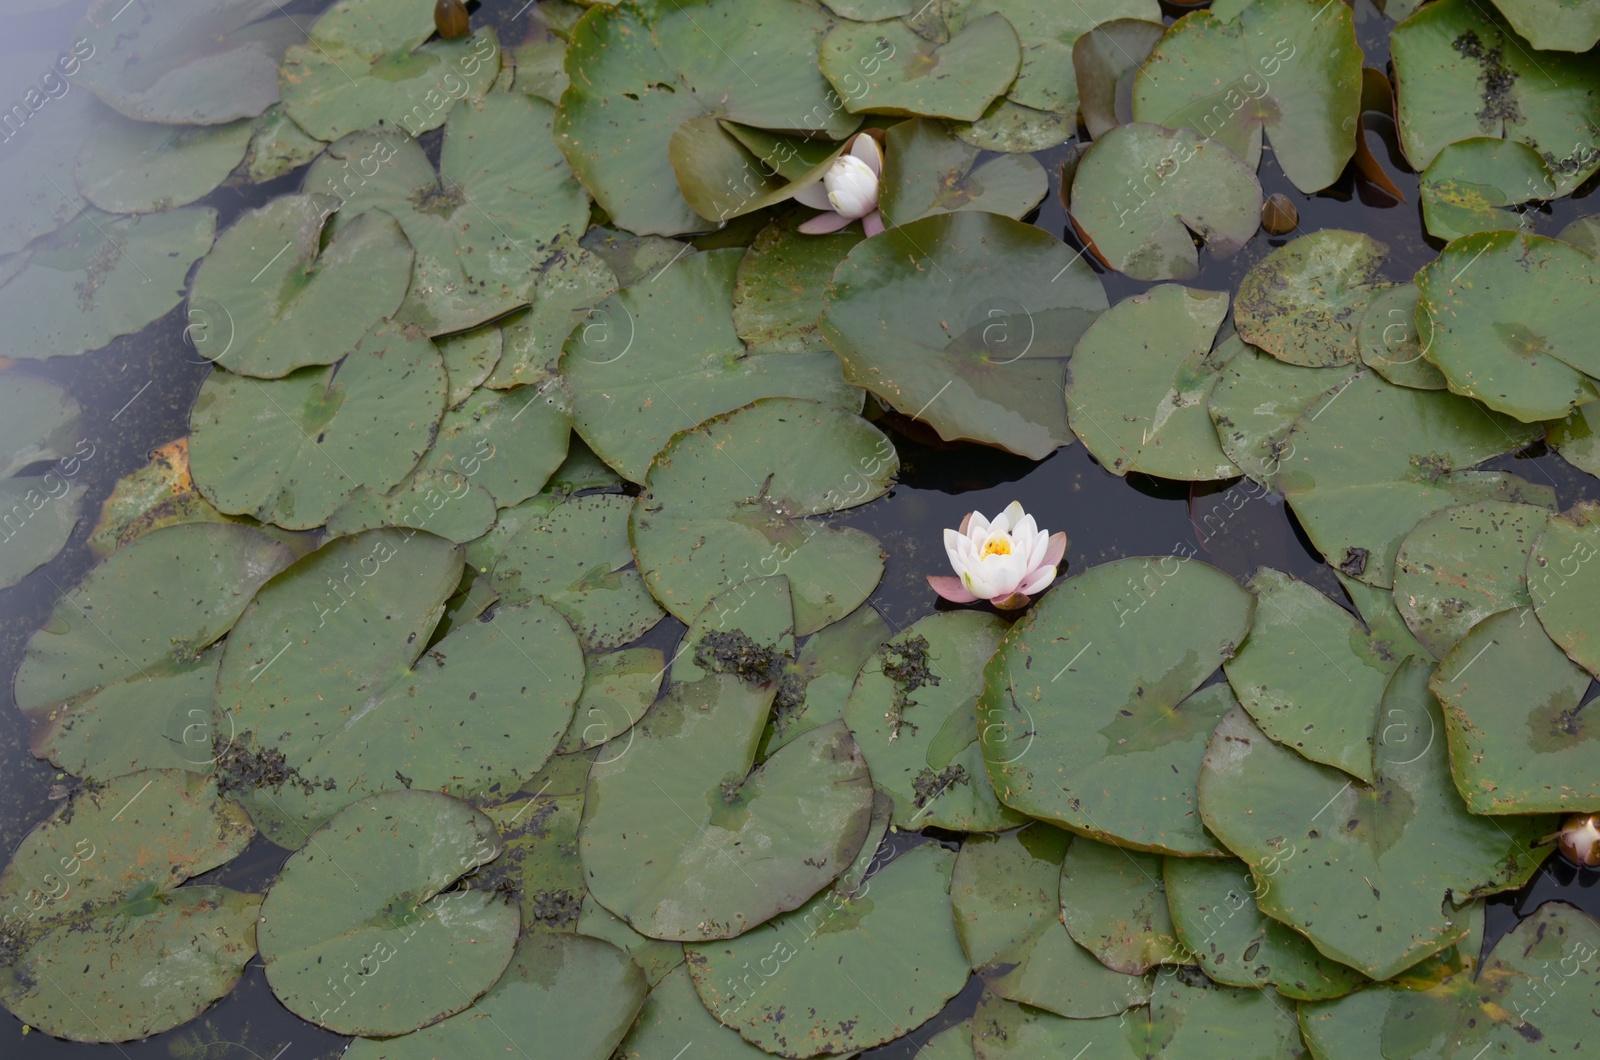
[{"x": 136, "y": 394}]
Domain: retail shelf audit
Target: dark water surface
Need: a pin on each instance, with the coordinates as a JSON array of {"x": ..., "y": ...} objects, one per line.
[{"x": 136, "y": 395}]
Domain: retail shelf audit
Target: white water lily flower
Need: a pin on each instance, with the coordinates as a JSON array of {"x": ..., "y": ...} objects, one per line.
[
  {"x": 1003, "y": 562},
  {"x": 1579, "y": 839},
  {"x": 848, "y": 191}
]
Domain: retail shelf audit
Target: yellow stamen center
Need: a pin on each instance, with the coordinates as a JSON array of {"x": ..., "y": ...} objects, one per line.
[{"x": 996, "y": 546}]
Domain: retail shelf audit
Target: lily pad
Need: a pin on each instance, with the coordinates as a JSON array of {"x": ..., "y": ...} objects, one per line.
[
  {"x": 39, "y": 421},
  {"x": 290, "y": 450},
  {"x": 1575, "y": 438},
  {"x": 364, "y": 63},
  {"x": 1510, "y": 318},
  {"x": 824, "y": 674},
  {"x": 1213, "y": 910},
  {"x": 1258, "y": 398},
  {"x": 965, "y": 321},
  {"x": 912, "y": 714},
  {"x": 684, "y": 841},
  {"x": 443, "y": 950},
  {"x": 829, "y": 963},
  {"x": 1461, "y": 565},
  {"x": 1006, "y": 1030},
  {"x": 721, "y": 178},
  {"x": 1462, "y": 72},
  {"x": 1139, "y": 382},
  {"x": 886, "y": 68},
  {"x": 1143, "y": 228},
  {"x": 1309, "y": 675},
  {"x": 930, "y": 172},
  {"x": 1388, "y": 342},
  {"x": 201, "y": 62},
  {"x": 287, "y": 300},
  {"x": 1289, "y": 67},
  {"x": 470, "y": 358},
  {"x": 1005, "y": 894},
  {"x": 1105, "y": 61},
  {"x": 1011, "y": 127},
  {"x": 640, "y": 70},
  {"x": 508, "y": 441},
  {"x": 567, "y": 292},
  {"x": 439, "y": 502},
  {"x": 698, "y": 529},
  {"x": 747, "y": 630},
  {"x": 277, "y": 146},
  {"x": 1087, "y": 717},
  {"x": 618, "y": 687},
  {"x": 1569, "y": 541},
  {"x": 673, "y": 1015},
  {"x": 1584, "y": 233},
  {"x": 1467, "y": 184},
  {"x": 325, "y": 675},
  {"x": 777, "y": 290},
  {"x": 140, "y": 167},
  {"x": 689, "y": 365},
  {"x": 1383, "y": 863},
  {"x": 1303, "y": 302},
  {"x": 657, "y": 958},
  {"x": 1114, "y": 904},
  {"x": 1553, "y": 25},
  {"x": 41, "y": 513},
  {"x": 34, "y": 178},
  {"x": 100, "y": 276}
]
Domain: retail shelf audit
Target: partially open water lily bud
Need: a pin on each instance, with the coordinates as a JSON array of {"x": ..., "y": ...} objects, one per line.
[
  {"x": 1579, "y": 839},
  {"x": 450, "y": 19},
  {"x": 1003, "y": 562},
  {"x": 848, "y": 191}
]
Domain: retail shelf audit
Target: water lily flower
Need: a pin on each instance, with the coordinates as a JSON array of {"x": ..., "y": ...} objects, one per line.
[
  {"x": 1003, "y": 561},
  {"x": 848, "y": 191},
  {"x": 1579, "y": 839}
]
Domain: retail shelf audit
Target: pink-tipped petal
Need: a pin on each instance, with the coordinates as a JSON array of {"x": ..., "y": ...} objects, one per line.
[
  {"x": 872, "y": 224},
  {"x": 950, "y": 588},
  {"x": 962, "y": 529},
  {"x": 1011, "y": 603},
  {"x": 824, "y": 223},
  {"x": 1057, "y": 549},
  {"x": 866, "y": 149},
  {"x": 1037, "y": 581},
  {"x": 814, "y": 195}
]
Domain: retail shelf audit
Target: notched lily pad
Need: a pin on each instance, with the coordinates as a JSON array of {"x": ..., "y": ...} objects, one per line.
[
  {"x": 928, "y": 171},
  {"x": 886, "y": 68},
  {"x": 1303, "y": 302},
  {"x": 1560, "y": 580},
  {"x": 1114, "y": 904}
]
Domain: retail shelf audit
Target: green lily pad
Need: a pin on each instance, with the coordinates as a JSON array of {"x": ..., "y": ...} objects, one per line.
[
  {"x": 508, "y": 441},
  {"x": 1461, "y": 565},
  {"x": 912, "y": 714},
  {"x": 823, "y": 675},
  {"x": 118, "y": 679},
  {"x": 1144, "y": 229},
  {"x": 39, "y": 421},
  {"x": 1006, "y": 1030},
  {"x": 1553, "y": 25},
  {"x": 952, "y": 1043},
  {"x": 1213, "y": 909},
  {"x": 886, "y": 68},
  {"x": 34, "y": 178},
  {"x": 541, "y": 68},
  {"x": 98, "y": 277},
  {"x": 1114, "y": 904},
  {"x": 689, "y": 365},
  {"x": 930, "y": 172},
  {"x": 364, "y": 63},
  {"x": 288, "y": 300},
  {"x": 823, "y": 969},
  {"x": 442, "y": 950},
  {"x": 721, "y": 178},
  {"x": 747, "y": 630},
  {"x": 1577, "y": 438},
  {"x": 470, "y": 357},
  {"x": 1279, "y": 66},
  {"x": 290, "y": 450},
  {"x": 1105, "y": 61},
  {"x": 1011, "y": 127},
  {"x": 1388, "y": 342},
  {"x": 325, "y": 674},
  {"x": 140, "y": 167},
  {"x": 1509, "y": 318},
  {"x": 539, "y": 857},
  {"x": 1258, "y": 398},
  {"x": 277, "y": 146},
  {"x": 1390, "y": 636},
  {"x": 1117, "y": 648},
  {"x": 656, "y": 957},
  {"x": 665, "y": 822},
  {"x": 1466, "y": 185},
  {"x": 567, "y": 292},
  {"x": 1138, "y": 385},
  {"x": 41, "y": 513},
  {"x": 777, "y": 289},
  {"x": 1383, "y": 863},
  {"x": 1559, "y": 580},
  {"x": 1302, "y": 302},
  {"x": 1006, "y": 897},
  {"x": 965, "y": 321},
  {"x": 698, "y": 529},
  {"x": 200, "y": 62},
  {"x": 1519, "y": 742},
  {"x": 573, "y": 995},
  {"x": 1462, "y": 72},
  {"x": 640, "y": 70},
  {"x": 572, "y": 554},
  {"x": 618, "y": 688},
  {"x": 1584, "y": 233},
  {"x": 1309, "y": 675},
  {"x": 439, "y": 502},
  {"x": 672, "y": 1016}
]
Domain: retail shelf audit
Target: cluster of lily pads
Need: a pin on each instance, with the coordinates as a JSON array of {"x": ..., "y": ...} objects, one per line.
[{"x": 480, "y": 420}]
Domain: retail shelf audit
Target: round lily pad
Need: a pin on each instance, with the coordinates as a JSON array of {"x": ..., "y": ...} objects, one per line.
[
  {"x": 1302, "y": 302},
  {"x": 41, "y": 513},
  {"x": 1366, "y": 872},
  {"x": 140, "y": 167},
  {"x": 1005, "y": 894},
  {"x": 277, "y": 146},
  {"x": 1006, "y": 1030},
  {"x": 1105, "y": 61},
  {"x": 439, "y": 502},
  {"x": 912, "y": 713},
  {"x": 575, "y": 996},
  {"x": 823, "y": 968},
  {"x": 1510, "y": 318},
  {"x": 886, "y": 68},
  {"x": 508, "y": 442},
  {"x": 965, "y": 321},
  {"x": 1577, "y": 438},
  {"x": 686, "y": 364},
  {"x": 1258, "y": 398},
  {"x": 747, "y": 630},
  {"x": 723, "y": 176},
  {"x": 1139, "y": 381},
  {"x": 470, "y": 357},
  {"x": 1467, "y": 184},
  {"x": 823, "y": 675},
  {"x": 928, "y": 171},
  {"x": 1553, "y": 25},
  {"x": 98, "y": 277},
  {"x": 778, "y": 288},
  {"x": 1011, "y": 127},
  {"x": 566, "y": 297},
  {"x": 618, "y": 687},
  {"x": 736, "y": 498},
  {"x": 1388, "y": 342},
  {"x": 290, "y": 450},
  {"x": 672, "y": 1016},
  {"x": 1461, "y": 565},
  {"x": 683, "y": 840},
  {"x": 1186, "y": 183},
  {"x": 38, "y": 421},
  {"x": 1560, "y": 577},
  {"x": 1087, "y": 717},
  {"x": 1462, "y": 72},
  {"x": 399, "y": 953},
  {"x": 285, "y": 299},
  {"x": 1114, "y": 904}
]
